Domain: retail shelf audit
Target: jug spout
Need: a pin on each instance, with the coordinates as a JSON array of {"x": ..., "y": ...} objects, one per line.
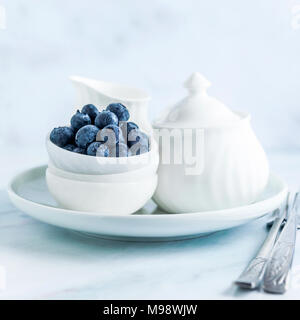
[{"x": 102, "y": 93}]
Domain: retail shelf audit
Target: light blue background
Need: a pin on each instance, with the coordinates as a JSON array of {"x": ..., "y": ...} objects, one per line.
[{"x": 248, "y": 49}]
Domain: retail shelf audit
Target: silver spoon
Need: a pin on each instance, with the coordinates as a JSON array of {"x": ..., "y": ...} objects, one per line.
[
  {"x": 253, "y": 274},
  {"x": 278, "y": 269}
]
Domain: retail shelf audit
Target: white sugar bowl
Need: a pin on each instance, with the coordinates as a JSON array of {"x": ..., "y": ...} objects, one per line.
[{"x": 213, "y": 159}]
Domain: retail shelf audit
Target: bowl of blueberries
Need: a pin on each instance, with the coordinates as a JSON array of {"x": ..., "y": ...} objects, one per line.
[
  {"x": 101, "y": 142},
  {"x": 99, "y": 159}
]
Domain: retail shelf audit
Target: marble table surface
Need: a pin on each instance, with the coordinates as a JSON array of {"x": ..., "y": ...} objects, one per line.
[{"x": 38, "y": 261}]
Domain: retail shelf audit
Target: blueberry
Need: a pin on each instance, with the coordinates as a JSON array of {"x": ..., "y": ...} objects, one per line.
[
  {"x": 80, "y": 120},
  {"x": 79, "y": 150},
  {"x": 86, "y": 135},
  {"x": 126, "y": 127},
  {"x": 138, "y": 142},
  {"x": 122, "y": 150},
  {"x": 119, "y": 110},
  {"x": 62, "y": 136},
  {"x": 103, "y": 151},
  {"x": 69, "y": 147},
  {"x": 93, "y": 147},
  {"x": 118, "y": 150},
  {"x": 106, "y": 118},
  {"x": 110, "y": 134},
  {"x": 131, "y": 126},
  {"x": 90, "y": 110}
]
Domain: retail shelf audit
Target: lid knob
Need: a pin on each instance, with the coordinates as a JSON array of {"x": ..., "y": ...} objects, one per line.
[{"x": 197, "y": 83}]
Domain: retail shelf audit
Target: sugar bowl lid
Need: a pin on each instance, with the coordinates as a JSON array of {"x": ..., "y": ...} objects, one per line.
[{"x": 198, "y": 109}]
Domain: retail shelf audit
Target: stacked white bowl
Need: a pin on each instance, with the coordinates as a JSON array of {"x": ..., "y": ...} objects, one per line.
[{"x": 116, "y": 186}]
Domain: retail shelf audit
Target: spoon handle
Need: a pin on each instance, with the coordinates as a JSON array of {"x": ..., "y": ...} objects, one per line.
[
  {"x": 277, "y": 271},
  {"x": 253, "y": 274}
]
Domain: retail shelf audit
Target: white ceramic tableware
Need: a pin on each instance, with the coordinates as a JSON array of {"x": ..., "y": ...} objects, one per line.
[
  {"x": 130, "y": 176},
  {"x": 115, "y": 198},
  {"x": 101, "y": 93},
  {"x": 29, "y": 192},
  {"x": 232, "y": 166},
  {"x": 84, "y": 164}
]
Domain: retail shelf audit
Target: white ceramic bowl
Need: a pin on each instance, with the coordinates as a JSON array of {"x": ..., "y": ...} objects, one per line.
[
  {"x": 130, "y": 176},
  {"x": 121, "y": 198},
  {"x": 83, "y": 164}
]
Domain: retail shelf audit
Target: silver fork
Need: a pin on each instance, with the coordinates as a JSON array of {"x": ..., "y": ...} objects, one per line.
[{"x": 253, "y": 274}]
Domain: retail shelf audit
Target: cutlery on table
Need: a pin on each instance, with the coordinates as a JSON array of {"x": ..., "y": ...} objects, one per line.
[
  {"x": 276, "y": 276},
  {"x": 254, "y": 272}
]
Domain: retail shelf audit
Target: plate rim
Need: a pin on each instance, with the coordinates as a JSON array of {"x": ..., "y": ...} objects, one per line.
[{"x": 229, "y": 212}]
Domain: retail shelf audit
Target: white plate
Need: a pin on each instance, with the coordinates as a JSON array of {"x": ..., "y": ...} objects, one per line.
[{"x": 29, "y": 193}]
